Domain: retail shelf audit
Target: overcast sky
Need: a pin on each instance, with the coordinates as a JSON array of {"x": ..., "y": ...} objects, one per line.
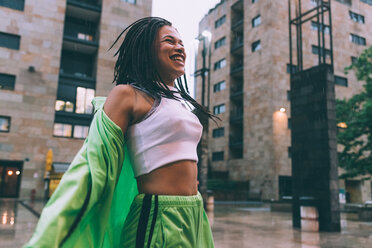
[{"x": 185, "y": 16}]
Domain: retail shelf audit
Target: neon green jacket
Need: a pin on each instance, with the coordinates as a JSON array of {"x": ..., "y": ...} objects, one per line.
[{"x": 89, "y": 207}]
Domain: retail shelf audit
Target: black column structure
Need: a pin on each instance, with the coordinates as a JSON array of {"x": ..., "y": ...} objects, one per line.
[
  {"x": 313, "y": 116},
  {"x": 203, "y": 144}
]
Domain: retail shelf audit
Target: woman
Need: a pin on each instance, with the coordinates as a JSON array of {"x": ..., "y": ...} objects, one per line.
[{"x": 161, "y": 136}]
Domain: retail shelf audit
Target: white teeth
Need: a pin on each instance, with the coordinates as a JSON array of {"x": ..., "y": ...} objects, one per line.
[{"x": 177, "y": 58}]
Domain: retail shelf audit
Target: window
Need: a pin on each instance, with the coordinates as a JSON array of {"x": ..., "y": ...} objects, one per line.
[
  {"x": 77, "y": 64},
  {"x": 367, "y": 1},
  {"x": 256, "y": 21},
  {"x": 357, "y": 39},
  {"x": 220, "y": 21},
  {"x": 80, "y": 131},
  {"x": 80, "y": 29},
  {"x": 315, "y": 50},
  {"x": 256, "y": 46},
  {"x": 220, "y": 64},
  {"x": 219, "y": 109},
  {"x": 13, "y": 4},
  {"x": 76, "y": 99},
  {"x": 62, "y": 130},
  {"x": 84, "y": 97},
  {"x": 219, "y": 86},
  {"x": 220, "y": 43},
  {"x": 354, "y": 59},
  {"x": 314, "y": 2},
  {"x": 7, "y": 81},
  {"x": 217, "y": 156},
  {"x": 291, "y": 69},
  {"x": 356, "y": 17},
  {"x": 341, "y": 81},
  {"x": 218, "y": 132},
  {"x": 254, "y": 1},
  {"x": 11, "y": 41},
  {"x": 316, "y": 25},
  {"x": 4, "y": 124},
  {"x": 129, "y": 1},
  {"x": 70, "y": 130}
]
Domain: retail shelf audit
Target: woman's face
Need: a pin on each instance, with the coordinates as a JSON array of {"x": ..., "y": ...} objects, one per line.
[{"x": 170, "y": 54}]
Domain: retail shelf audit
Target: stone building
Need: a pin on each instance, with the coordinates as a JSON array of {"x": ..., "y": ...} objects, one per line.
[
  {"x": 248, "y": 87},
  {"x": 53, "y": 60}
]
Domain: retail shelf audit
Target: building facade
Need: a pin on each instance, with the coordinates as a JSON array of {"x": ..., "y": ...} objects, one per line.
[
  {"x": 249, "y": 83},
  {"x": 54, "y": 59}
]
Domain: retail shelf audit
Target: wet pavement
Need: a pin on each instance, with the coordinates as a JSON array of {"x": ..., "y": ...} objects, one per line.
[{"x": 234, "y": 225}]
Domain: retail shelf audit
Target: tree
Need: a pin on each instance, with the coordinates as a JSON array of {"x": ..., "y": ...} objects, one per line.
[{"x": 355, "y": 118}]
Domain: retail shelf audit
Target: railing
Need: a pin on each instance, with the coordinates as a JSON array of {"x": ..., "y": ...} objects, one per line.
[
  {"x": 237, "y": 43},
  {"x": 237, "y": 67},
  {"x": 236, "y": 93},
  {"x": 235, "y": 141},
  {"x": 81, "y": 33},
  {"x": 87, "y": 4},
  {"x": 237, "y": 22},
  {"x": 237, "y": 115}
]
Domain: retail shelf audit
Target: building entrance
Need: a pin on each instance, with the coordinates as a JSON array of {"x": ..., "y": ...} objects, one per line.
[{"x": 10, "y": 178}]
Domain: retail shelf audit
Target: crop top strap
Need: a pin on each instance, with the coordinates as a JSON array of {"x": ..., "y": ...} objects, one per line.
[{"x": 154, "y": 105}]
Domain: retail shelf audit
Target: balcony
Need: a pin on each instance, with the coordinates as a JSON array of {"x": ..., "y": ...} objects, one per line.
[
  {"x": 70, "y": 117},
  {"x": 236, "y": 69},
  {"x": 86, "y": 10},
  {"x": 235, "y": 142},
  {"x": 237, "y": 24},
  {"x": 80, "y": 35},
  {"x": 76, "y": 79},
  {"x": 236, "y": 93},
  {"x": 236, "y": 116},
  {"x": 237, "y": 45},
  {"x": 93, "y": 5}
]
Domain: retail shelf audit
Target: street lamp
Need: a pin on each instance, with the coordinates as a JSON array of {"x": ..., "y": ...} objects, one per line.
[{"x": 205, "y": 37}]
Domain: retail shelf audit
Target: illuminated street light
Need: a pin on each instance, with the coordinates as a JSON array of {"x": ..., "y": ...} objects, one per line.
[
  {"x": 10, "y": 172},
  {"x": 282, "y": 110}
]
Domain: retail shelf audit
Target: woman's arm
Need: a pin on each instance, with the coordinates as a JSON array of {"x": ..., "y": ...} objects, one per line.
[{"x": 119, "y": 106}]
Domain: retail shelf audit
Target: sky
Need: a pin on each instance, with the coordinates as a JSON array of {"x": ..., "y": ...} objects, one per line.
[{"x": 185, "y": 16}]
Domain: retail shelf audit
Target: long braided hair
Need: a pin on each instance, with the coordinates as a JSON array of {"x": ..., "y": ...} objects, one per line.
[{"x": 135, "y": 63}]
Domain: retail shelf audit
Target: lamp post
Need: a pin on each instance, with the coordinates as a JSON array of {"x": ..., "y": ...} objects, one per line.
[{"x": 203, "y": 144}]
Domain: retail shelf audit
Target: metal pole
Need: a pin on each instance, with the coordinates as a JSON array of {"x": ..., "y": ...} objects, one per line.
[
  {"x": 330, "y": 32},
  {"x": 203, "y": 72},
  {"x": 290, "y": 37},
  {"x": 300, "y": 29},
  {"x": 323, "y": 39},
  {"x": 318, "y": 25}
]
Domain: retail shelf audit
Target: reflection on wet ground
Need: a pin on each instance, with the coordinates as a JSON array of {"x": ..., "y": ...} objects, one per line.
[{"x": 234, "y": 225}]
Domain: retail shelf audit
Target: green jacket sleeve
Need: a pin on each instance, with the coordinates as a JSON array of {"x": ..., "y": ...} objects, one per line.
[{"x": 89, "y": 207}]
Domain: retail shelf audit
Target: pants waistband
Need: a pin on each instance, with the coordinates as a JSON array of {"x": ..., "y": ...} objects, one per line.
[{"x": 173, "y": 200}]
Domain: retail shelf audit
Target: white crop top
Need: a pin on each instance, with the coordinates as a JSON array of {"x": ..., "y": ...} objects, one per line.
[{"x": 169, "y": 132}]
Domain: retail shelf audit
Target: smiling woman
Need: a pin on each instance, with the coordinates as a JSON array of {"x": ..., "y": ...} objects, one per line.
[{"x": 134, "y": 182}]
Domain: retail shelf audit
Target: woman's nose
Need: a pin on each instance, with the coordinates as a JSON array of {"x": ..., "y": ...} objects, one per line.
[{"x": 180, "y": 48}]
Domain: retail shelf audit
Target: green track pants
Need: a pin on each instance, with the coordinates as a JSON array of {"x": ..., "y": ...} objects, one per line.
[{"x": 167, "y": 221}]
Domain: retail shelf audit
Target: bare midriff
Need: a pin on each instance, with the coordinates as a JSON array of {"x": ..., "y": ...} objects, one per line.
[{"x": 177, "y": 178}]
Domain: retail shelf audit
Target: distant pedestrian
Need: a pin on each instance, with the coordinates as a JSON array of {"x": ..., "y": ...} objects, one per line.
[{"x": 134, "y": 182}]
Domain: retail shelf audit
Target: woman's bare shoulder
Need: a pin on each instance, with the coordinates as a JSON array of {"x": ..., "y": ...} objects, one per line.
[{"x": 119, "y": 105}]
